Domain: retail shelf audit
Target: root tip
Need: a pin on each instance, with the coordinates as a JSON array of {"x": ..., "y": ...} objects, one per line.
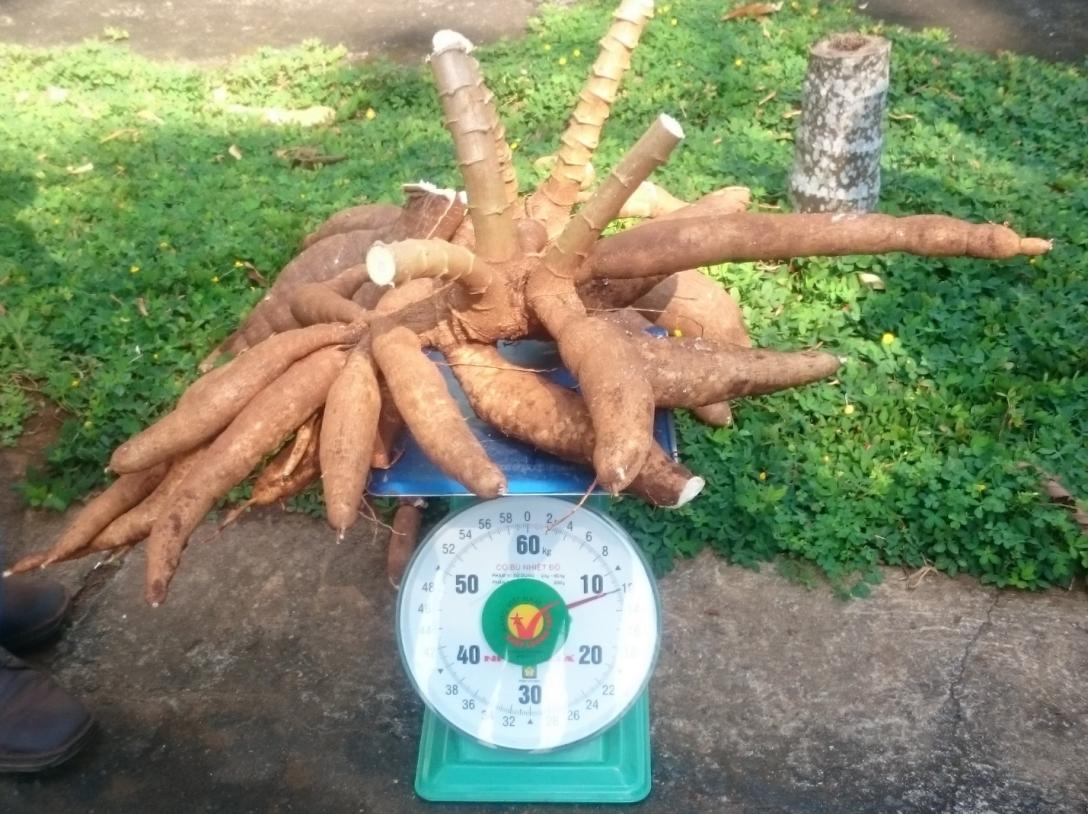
[
  {"x": 156, "y": 593},
  {"x": 1035, "y": 245},
  {"x": 446, "y": 40},
  {"x": 690, "y": 491}
]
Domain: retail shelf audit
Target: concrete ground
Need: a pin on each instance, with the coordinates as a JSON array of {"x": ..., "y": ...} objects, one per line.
[
  {"x": 1051, "y": 29},
  {"x": 270, "y": 681},
  {"x": 203, "y": 30}
]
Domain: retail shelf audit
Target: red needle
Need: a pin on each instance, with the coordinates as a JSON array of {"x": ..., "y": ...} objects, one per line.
[
  {"x": 590, "y": 599},
  {"x": 536, "y": 616}
]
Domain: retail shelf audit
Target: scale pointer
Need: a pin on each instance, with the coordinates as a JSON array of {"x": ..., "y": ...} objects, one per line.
[
  {"x": 590, "y": 598},
  {"x": 524, "y": 631}
]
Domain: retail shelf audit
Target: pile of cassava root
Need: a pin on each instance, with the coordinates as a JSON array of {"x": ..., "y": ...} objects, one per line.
[{"x": 333, "y": 356}]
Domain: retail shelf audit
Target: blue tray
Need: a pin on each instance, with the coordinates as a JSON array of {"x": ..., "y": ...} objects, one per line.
[{"x": 528, "y": 471}]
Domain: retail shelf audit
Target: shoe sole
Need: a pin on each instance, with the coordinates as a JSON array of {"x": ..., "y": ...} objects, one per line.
[{"x": 38, "y": 763}]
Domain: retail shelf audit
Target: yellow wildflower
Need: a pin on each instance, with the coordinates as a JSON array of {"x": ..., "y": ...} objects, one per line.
[
  {"x": 562, "y": 60},
  {"x": 738, "y": 62},
  {"x": 133, "y": 269},
  {"x": 887, "y": 339},
  {"x": 848, "y": 409},
  {"x": 371, "y": 113},
  {"x": 215, "y": 279},
  {"x": 763, "y": 476}
]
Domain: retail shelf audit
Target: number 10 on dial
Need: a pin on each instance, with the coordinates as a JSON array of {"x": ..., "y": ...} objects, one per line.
[{"x": 527, "y": 624}]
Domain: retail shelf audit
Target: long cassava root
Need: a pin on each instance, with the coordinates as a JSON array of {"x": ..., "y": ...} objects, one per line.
[{"x": 336, "y": 351}]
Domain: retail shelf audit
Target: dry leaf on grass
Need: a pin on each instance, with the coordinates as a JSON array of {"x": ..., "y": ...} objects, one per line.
[
  {"x": 308, "y": 157},
  {"x": 752, "y": 10}
]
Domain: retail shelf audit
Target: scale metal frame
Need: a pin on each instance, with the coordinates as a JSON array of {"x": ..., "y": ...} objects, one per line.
[{"x": 613, "y": 766}]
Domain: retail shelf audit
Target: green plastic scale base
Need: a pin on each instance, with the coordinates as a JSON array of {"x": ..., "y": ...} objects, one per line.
[{"x": 613, "y": 767}]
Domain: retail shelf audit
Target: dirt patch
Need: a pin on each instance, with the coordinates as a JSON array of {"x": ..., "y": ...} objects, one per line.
[{"x": 40, "y": 432}]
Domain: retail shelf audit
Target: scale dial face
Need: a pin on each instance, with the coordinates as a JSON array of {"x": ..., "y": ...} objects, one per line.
[{"x": 527, "y": 624}]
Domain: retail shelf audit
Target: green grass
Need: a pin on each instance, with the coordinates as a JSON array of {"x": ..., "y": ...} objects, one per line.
[{"x": 116, "y": 279}]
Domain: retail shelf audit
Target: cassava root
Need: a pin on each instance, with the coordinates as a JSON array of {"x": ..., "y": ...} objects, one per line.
[{"x": 343, "y": 332}]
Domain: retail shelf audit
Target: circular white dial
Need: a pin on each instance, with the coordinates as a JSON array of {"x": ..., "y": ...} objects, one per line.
[{"x": 527, "y": 623}]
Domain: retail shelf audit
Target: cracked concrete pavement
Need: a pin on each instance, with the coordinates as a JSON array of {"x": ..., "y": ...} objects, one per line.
[
  {"x": 203, "y": 30},
  {"x": 270, "y": 682}
]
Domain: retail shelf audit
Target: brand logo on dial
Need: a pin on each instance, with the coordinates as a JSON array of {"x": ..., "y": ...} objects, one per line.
[
  {"x": 525, "y": 621},
  {"x": 527, "y": 624}
]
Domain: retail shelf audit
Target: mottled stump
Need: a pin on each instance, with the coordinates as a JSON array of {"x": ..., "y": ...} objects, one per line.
[{"x": 837, "y": 159}]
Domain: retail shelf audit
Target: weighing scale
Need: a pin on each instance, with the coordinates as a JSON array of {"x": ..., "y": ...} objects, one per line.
[{"x": 529, "y": 626}]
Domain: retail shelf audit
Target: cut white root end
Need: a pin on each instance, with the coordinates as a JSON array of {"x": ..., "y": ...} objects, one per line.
[
  {"x": 381, "y": 265},
  {"x": 690, "y": 491},
  {"x": 430, "y": 189},
  {"x": 446, "y": 40},
  {"x": 672, "y": 125}
]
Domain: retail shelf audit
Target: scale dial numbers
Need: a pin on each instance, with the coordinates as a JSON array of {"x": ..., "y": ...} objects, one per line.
[{"x": 526, "y": 625}]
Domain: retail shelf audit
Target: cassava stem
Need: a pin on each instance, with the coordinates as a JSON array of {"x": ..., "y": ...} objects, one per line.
[
  {"x": 551, "y": 203},
  {"x": 470, "y": 124},
  {"x": 573, "y": 244},
  {"x": 397, "y": 263}
]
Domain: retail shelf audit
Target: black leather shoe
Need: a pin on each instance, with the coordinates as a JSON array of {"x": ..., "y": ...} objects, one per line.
[
  {"x": 31, "y": 611},
  {"x": 41, "y": 725}
]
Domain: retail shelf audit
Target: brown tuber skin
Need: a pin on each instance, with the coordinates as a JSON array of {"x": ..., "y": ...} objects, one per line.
[
  {"x": 462, "y": 271},
  {"x": 403, "y": 539},
  {"x": 347, "y": 439},
  {"x": 258, "y": 429}
]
